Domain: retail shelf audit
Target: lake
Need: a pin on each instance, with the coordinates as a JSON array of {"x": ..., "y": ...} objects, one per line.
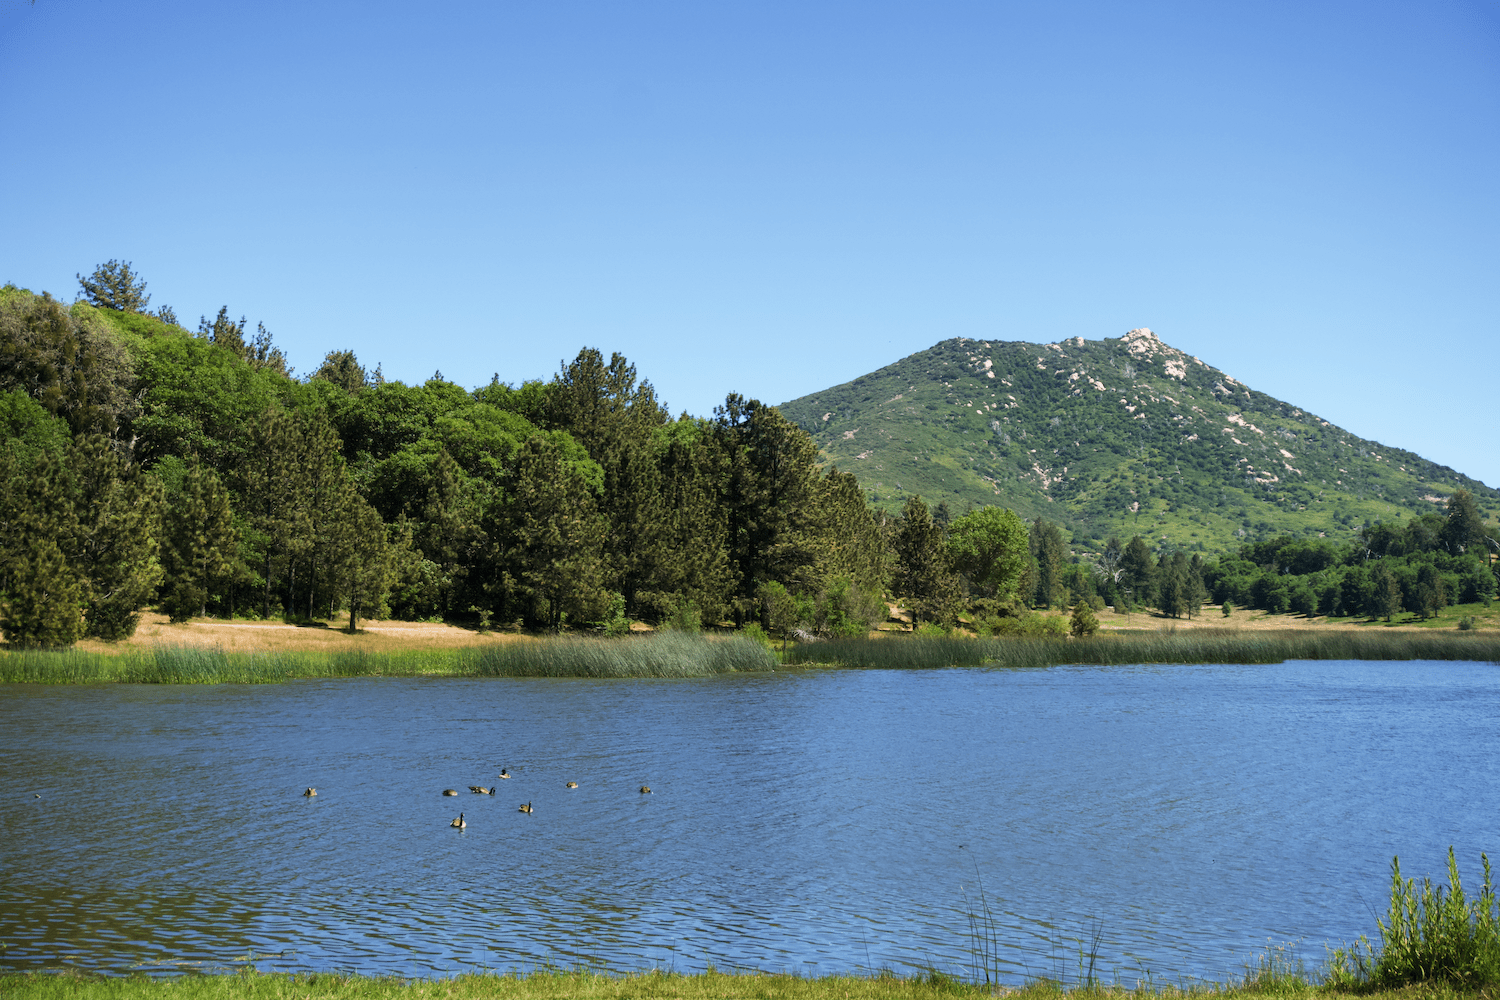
[{"x": 817, "y": 822}]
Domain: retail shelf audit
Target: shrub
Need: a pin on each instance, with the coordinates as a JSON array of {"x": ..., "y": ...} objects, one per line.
[
  {"x": 1084, "y": 621},
  {"x": 1227, "y": 609},
  {"x": 1428, "y": 935},
  {"x": 753, "y": 631},
  {"x": 1465, "y": 623}
]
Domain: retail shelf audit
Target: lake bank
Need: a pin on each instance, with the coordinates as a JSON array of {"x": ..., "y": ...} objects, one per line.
[{"x": 712, "y": 985}]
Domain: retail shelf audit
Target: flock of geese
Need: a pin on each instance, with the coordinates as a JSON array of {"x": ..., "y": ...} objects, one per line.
[{"x": 459, "y": 824}]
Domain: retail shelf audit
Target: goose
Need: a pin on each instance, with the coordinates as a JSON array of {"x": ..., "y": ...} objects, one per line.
[
  {"x": 504, "y": 773},
  {"x": 645, "y": 789},
  {"x": 526, "y": 808},
  {"x": 481, "y": 790},
  {"x": 572, "y": 784},
  {"x": 310, "y": 791},
  {"x": 459, "y": 823},
  {"x": 450, "y": 791}
]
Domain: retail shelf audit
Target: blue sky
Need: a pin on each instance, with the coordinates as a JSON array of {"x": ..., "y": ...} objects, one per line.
[{"x": 772, "y": 198}]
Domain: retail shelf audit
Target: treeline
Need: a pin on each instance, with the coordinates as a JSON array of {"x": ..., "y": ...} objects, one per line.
[
  {"x": 1421, "y": 566},
  {"x": 146, "y": 463}
]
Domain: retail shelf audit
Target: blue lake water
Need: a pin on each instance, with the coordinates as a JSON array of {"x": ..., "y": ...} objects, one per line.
[{"x": 815, "y": 822}]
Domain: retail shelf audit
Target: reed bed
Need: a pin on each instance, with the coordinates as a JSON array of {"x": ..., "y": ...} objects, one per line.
[
  {"x": 666, "y": 654},
  {"x": 1197, "y": 646},
  {"x": 662, "y": 655}
]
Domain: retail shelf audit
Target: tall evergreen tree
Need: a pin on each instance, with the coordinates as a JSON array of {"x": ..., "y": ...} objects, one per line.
[
  {"x": 769, "y": 485},
  {"x": 1046, "y": 545},
  {"x": 43, "y": 594},
  {"x": 1137, "y": 571},
  {"x": 923, "y": 575},
  {"x": 224, "y": 332},
  {"x": 552, "y": 533},
  {"x": 1464, "y": 529},
  {"x": 615, "y": 417},
  {"x": 118, "y": 512},
  {"x": 694, "y": 563},
  {"x": 200, "y": 546},
  {"x": 113, "y": 285}
]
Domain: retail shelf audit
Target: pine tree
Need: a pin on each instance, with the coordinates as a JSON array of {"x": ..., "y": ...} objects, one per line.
[
  {"x": 43, "y": 594},
  {"x": 113, "y": 285},
  {"x": 119, "y": 518},
  {"x": 694, "y": 563},
  {"x": 552, "y": 533},
  {"x": 923, "y": 575},
  {"x": 1046, "y": 544},
  {"x": 224, "y": 332},
  {"x": 200, "y": 546}
]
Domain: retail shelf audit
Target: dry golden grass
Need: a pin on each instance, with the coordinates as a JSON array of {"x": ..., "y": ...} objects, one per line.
[{"x": 277, "y": 637}]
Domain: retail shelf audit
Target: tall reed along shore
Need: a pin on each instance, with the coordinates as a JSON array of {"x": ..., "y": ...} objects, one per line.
[
  {"x": 1119, "y": 649},
  {"x": 668, "y": 654},
  {"x": 677, "y": 654}
]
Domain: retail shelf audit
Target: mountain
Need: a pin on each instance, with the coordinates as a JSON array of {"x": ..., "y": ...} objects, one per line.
[{"x": 1119, "y": 436}]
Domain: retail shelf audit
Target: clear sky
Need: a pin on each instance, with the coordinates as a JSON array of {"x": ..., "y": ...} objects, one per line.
[{"x": 775, "y": 197}]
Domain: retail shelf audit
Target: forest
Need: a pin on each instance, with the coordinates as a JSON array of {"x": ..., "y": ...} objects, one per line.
[{"x": 145, "y": 464}]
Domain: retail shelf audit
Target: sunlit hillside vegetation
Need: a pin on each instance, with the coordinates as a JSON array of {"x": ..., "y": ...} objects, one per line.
[{"x": 1119, "y": 436}]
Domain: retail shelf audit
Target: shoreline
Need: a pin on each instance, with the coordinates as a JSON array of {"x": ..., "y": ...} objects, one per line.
[
  {"x": 546, "y": 984},
  {"x": 684, "y": 655}
]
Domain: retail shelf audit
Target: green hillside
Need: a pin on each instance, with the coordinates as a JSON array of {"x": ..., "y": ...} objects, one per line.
[{"x": 1119, "y": 436}]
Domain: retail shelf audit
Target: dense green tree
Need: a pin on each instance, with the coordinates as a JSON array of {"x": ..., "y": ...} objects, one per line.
[
  {"x": 69, "y": 361},
  {"x": 694, "y": 564},
  {"x": 200, "y": 546},
  {"x": 1383, "y": 598},
  {"x": 262, "y": 353},
  {"x": 113, "y": 285},
  {"x": 988, "y": 547},
  {"x": 360, "y": 554},
  {"x": 615, "y": 416},
  {"x": 342, "y": 368},
  {"x": 1046, "y": 544},
  {"x": 1171, "y": 596},
  {"x": 923, "y": 574},
  {"x": 197, "y": 400},
  {"x": 769, "y": 486},
  {"x": 41, "y": 604},
  {"x": 1430, "y": 593},
  {"x": 552, "y": 532},
  {"x": 850, "y": 543},
  {"x": 1137, "y": 571},
  {"x": 224, "y": 332},
  {"x": 1464, "y": 529},
  {"x": 273, "y": 499},
  {"x": 118, "y": 517}
]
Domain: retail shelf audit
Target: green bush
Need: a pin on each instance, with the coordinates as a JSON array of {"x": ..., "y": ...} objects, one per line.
[
  {"x": 753, "y": 631},
  {"x": 1227, "y": 609},
  {"x": 1084, "y": 622},
  {"x": 1466, "y": 623},
  {"x": 1429, "y": 935}
]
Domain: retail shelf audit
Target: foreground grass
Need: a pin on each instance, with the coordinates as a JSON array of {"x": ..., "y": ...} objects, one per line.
[
  {"x": 1113, "y": 649},
  {"x": 579, "y": 985},
  {"x": 669, "y": 654}
]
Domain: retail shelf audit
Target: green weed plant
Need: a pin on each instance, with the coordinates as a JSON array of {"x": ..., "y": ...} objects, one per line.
[{"x": 1430, "y": 934}]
